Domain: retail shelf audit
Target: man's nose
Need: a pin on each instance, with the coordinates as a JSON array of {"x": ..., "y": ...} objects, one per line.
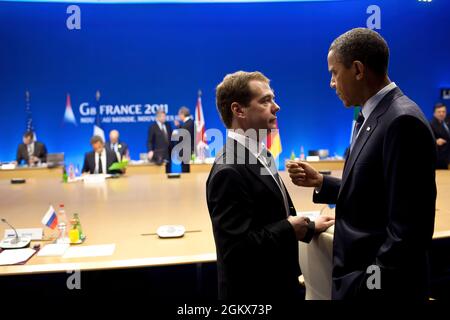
[
  {"x": 332, "y": 84},
  {"x": 276, "y": 107}
]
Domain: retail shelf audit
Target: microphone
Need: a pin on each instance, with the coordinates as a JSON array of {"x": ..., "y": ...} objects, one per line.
[
  {"x": 16, "y": 239},
  {"x": 16, "y": 242}
]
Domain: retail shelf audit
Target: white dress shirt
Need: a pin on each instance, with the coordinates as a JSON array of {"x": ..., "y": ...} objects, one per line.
[
  {"x": 258, "y": 150},
  {"x": 103, "y": 156},
  {"x": 373, "y": 101},
  {"x": 115, "y": 148}
]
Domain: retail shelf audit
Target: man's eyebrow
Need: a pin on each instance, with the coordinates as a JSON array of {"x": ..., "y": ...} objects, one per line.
[{"x": 267, "y": 95}]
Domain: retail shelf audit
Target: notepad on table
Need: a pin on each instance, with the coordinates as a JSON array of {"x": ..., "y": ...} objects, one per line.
[
  {"x": 90, "y": 251},
  {"x": 15, "y": 256}
]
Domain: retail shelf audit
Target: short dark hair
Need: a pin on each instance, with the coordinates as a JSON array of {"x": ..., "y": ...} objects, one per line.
[
  {"x": 28, "y": 134},
  {"x": 364, "y": 45},
  {"x": 438, "y": 106},
  {"x": 235, "y": 88},
  {"x": 185, "y": 111},
  {"x": 96, "y": 139}
]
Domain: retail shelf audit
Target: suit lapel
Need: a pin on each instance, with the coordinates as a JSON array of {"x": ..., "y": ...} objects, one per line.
[
  {"x": 254, "y": 166},
  {"x": 366, "y": 131}
]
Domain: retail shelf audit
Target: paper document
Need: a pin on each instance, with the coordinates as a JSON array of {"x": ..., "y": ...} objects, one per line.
[
  {"x": 312, "y": 215},
  {"x": 53, "y": 250},
  {"x": 90, "y": 251},
  {"x": 14, "y": 256}
]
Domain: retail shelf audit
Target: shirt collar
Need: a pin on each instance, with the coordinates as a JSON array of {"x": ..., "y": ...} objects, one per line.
[
  {"x": 101, "y": 154},
  {"x": 370, "y": 104},
  {"x": 251, "y": 144},
  {"x": 187, "y": 118}
]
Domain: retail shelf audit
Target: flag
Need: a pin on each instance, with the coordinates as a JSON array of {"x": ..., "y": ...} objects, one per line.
[
  {"x": 98, "y": 131},
  {"x": 274, "y": 143},
  {"x": 29, "y": 123},
  {"x": 200, "y": 139},
  {"x": 69, "y": 117},
  {"x": 50, "y": 219}
]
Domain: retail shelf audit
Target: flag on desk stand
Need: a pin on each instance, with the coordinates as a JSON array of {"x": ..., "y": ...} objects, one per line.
[
  {"x": 69, "y": 117},
  {"x": 98, "y": 131},
  {"x": 29, "y": 124},
  {"x": 200, "y": 139},
  {"x": 50, "y": 219},
  {"x": 274, "y": 143}
]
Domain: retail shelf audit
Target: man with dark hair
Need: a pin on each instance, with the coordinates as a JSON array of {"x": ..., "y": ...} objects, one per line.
[
  {"x": 187, "y": 124},
  {"x": 30, "y": 151},
  {"x": 159, "y": 141},
  {"x": 385, "y": 201},
  {"x": 441, "y": 131},
  {"x": 100, "y": 159},
  {"x": 254, "y": 221}
]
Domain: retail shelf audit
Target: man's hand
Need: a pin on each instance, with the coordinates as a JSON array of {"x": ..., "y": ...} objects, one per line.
[
  {"x": 150, "y": 155},
  {"x": 323, "y": 223},
  {"x": 300, "y": 225},
  {"x": 176, "y": 123},
  {"x": 441, "y": 142},
  {"x": 303, "y": 175}
]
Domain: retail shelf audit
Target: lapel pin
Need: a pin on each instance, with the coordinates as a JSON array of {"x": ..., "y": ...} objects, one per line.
[{"x": 368, "y": 129}]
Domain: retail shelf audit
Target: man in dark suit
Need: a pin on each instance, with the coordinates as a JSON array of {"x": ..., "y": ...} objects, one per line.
[
  {"x": 255, "y": 226},
  {"x": 440, "y": 126},
  {"x": 159, "y": 141},
  {"x": 187, "y": 123},
  {"x": 30, "y": 151},
  {"x": 100, "y": 159},
  {"x": 119, "y": 147},
  {"x": 385, "y": 201}
]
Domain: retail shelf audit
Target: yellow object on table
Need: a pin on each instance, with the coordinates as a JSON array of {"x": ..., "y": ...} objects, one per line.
[{"x": 74, "y": 236}]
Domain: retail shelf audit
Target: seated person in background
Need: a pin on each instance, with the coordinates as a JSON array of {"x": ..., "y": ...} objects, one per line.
[
  {"x": 30, "y": 151},
  {"x": 119, "y": 147},
  {"x": 100, "y": 159},
  {"x": 158, "y": 141},
  {"x": 442, "y": 134}
]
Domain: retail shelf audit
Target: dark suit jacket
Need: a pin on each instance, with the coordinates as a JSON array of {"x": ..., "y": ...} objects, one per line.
[
  {"x": 385, "y": 204},
  {"x": 40, "y": 151},
  {"x": 189, "y": 126},
  {"x": 89, "y": 161},
  {"x": 159, "y": 143},
  {"x": 122, "y": 148},
  {"x": 443, "y": 152},
  {"x": 257, "y": 250}
]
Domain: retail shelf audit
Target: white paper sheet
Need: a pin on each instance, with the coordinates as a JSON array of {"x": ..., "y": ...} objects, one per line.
[
  {"x": 13, "y": 256},
  {"x": 53, "y": 250},
  {"x": 90, "y": 251},
  {"x": 312, "y": 215}
]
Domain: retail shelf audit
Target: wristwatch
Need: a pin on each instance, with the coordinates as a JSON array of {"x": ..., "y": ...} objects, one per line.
[{"x": 311, "y": 228}]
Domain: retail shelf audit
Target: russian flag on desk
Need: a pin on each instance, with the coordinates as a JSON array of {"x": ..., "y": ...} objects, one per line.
[{"x": 50, "y": 219}]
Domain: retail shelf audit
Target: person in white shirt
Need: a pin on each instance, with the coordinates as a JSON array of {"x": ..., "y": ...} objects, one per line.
[
  {"x": 118, "y": 146},
  {"x": 159, "y": 140},
  {"x": 100, "y": 159}
]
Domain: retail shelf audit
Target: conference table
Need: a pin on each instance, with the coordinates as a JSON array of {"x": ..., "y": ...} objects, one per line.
[{"x": 127, "y": 211}]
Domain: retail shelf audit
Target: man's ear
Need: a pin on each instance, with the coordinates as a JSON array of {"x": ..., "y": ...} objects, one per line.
[
  {"x": 238, "y": 110},
  {"x": 360, "y": 69}
]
